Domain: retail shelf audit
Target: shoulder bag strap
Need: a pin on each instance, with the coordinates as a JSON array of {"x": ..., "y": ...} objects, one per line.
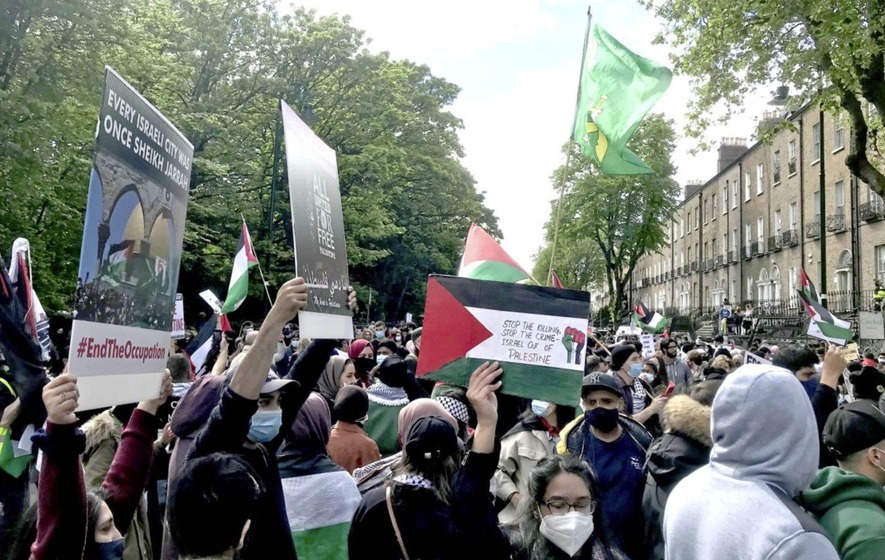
[{"x": 399, "y": 537}]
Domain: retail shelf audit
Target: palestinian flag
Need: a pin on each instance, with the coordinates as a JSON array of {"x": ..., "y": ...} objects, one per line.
[
  {"x": 535, "y": 332},
  {"x": 239, "y": 276},
  {"x": 484, "y": 259},
  {"x": 36, "y": 321},
  {"x": 318, "y": 527},
  {"x": 648, "y": 321},
  {"x": 824, "y": 325},
  {"x": 119, "y": 255}
]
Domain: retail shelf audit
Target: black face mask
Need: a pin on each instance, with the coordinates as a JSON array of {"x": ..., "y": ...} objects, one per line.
[
  {"x": 603, "y": 419},
  {"x": 364, "y": 365}
]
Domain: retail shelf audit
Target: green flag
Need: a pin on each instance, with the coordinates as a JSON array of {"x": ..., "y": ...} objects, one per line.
[{"x": 617, "y": 90}]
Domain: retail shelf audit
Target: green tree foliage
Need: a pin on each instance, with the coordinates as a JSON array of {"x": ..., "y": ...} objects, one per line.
[
  {"x": 609, "y": 221},
  {"x": 216, "y": 68},
  {"x": 829, "y": 50}
]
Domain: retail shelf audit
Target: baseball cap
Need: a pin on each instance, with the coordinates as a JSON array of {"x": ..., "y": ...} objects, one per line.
[
  {"x": 273, "y": 383},
  {"x": 430, "y": 438},
  {"x": 600, "y": 382},
  {"x": 854, "y": 427}
]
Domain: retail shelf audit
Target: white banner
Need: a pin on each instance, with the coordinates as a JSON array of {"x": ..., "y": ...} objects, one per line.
[
  {"x": 178, "y": 319},
  {"x": 212, "y": 300}
]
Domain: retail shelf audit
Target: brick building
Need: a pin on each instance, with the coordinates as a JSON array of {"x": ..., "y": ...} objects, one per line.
[{"x": 745, "y": 233}]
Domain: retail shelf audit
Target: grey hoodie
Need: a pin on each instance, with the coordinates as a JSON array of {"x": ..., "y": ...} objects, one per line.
[{"x": 765, "y": 449}]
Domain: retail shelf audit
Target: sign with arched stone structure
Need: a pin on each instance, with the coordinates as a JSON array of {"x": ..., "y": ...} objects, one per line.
[{"x": 129, "y": 260}]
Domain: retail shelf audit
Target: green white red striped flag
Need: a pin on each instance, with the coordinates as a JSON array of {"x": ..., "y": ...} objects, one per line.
[
  {"x": 484, "y": 259},
  {"x": 239, "y": 276}
]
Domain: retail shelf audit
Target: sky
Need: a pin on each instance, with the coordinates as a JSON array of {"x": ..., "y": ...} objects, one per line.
[{"x": 517, "y": 63}]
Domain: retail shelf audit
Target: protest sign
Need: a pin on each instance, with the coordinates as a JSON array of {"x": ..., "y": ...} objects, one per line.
[
  {"x": 538, "y": 335},
  {"x": 871, "y": 325},
  {"x": 210, "y": 298},
  {"x": 850, "y": 352},
  {"x": 751, "y": 358},
  {"x": 178, "y": 318},
  {"x": 131, "y": 251},
  {"x": 317, "y": 229},
  {"x": 648, "y": 345},
  {"x": 408, "y": 317}
]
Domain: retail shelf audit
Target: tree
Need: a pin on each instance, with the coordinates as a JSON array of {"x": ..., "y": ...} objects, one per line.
[
  {"x": 831, "y": 51},
  {"x": 609, "y": 222},
  {"x": 217, "y": 69}
]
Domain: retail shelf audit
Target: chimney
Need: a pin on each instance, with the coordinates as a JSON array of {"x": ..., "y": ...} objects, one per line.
[
  {"x": 730, "y": 149},
  {"x": 692, "y": 188}
]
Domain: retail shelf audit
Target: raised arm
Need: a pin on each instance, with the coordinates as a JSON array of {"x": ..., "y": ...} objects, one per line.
[
  {"x": 61, "y": 509},
  {"x": 131, "y": 468}
]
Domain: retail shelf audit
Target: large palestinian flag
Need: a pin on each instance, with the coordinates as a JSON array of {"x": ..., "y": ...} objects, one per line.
[
  {"x": 537, "y": 333},
  {"x": 484, "y": 259}
]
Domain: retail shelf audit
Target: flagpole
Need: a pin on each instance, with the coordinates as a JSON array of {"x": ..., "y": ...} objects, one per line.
[
  {"x": 568, "y": 154},
  {"x": 260, "y": 272},
  {"x": 275, "y": 175}
]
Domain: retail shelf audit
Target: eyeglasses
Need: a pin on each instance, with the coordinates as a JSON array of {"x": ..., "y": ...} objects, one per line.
[{"x": 560, "y": 507}]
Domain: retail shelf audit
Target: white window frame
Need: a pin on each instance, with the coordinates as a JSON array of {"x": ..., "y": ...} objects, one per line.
[
  {"x": 777, "y": 223},
  {"x": 748, "y": 178},
  {"x": 760, "y": 228},
  {"x": 791, "y": 149},
  {"x": 794, "y": 215},
  {"x": 760, "y": 178},
  {"x": 880, "y": 262},
  {"x": 839, "y": 198},
  {"x": 815, "y": 143},
  {"x": 838, "y": 135},
  {"x": 725, "y": 198},
  {"x": 776, "y": 167},
  {"x": 735, "y": 190}
]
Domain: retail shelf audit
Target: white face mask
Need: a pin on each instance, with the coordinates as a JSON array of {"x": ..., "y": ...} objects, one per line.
[
  {"x": 568, "y": 531},
  {"x": 540, "y": 407},
  {"x": 647, "y": 377}
]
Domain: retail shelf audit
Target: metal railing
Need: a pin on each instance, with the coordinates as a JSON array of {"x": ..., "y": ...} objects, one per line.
[
  {"x": 758, "y": 248},
  {"x": 872, "y": 211},
  {"x": 812, "y": 229},
  {"x": 790, "y": 238},
  {"x": 720, "y": 261},
  {"x": 747, "y": 252},
  {"x": 836, "y": 223},
  {"x": 775, "y": 242},
  {"x": 694, "y": 266}
]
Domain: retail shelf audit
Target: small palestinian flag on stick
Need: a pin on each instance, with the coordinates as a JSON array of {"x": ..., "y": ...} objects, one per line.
[
  {"x": 239, "y": 276},
  {"x": 648, "y": 321},
  {"x": 824, "y": 325}
]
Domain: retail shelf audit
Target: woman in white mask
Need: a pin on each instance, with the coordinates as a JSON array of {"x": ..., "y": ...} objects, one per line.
[{"x": 560, "y": 517}]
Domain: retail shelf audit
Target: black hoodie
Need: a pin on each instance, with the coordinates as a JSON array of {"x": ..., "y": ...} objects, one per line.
[{"x": 684, "y": 447}]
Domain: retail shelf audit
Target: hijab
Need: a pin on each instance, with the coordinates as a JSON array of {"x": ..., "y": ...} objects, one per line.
[
  {"x": 356, "y": 348},
  {"x": 330, "y": 380},
  {"x": 313, "y": 424}
]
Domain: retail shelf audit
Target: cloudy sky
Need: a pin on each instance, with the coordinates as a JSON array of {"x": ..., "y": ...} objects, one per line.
[{"x": 517, "y": 62}]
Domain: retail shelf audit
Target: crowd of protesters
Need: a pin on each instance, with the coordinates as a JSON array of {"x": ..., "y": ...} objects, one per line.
[{"x": 331, "y": 449}]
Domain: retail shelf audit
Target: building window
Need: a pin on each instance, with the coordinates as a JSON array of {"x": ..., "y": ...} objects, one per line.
[
  {"x": 697, "y": 218},
  {"x": 734, "y": 193},
  {"x": 838, "y": 135},
  {"x": 794, "y": 215},
  {"x": 791, "y": 152},
  {"x": 749, "y": 287},
  {"x": 880, "y": 262},
  {"x": 776, "y": 164},
  {"x": 747, "y": 179},
  {"x": 706, "y": 210},
  {"x": 724, "y": 243},
  {"x": 840, "y": 198},
  {"x": 815, "y": 143},
  {"x": 777, "y": 223},
  {"x": 706, "y": 250},
  {"x": 713, "y": 249},
  {"x": 713, "y": 206},
  {"x": 725, "y": 199},
  {"x": 732, "y": 293},
  {"x": 760, "y": 178},
  {"x": 748, "y": 236},
  {"x": 734, "y": 241},
  {"x": 760, "y": 228},
  {"x": 815, "y": 201}
]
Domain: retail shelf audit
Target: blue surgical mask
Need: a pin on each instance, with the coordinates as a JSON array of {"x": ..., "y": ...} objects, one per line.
[
  {"x": 111, "y": 550},
  {"x": 379, "y": 334},
  {"x": 810, "y": 386},
  {"x": 380, "y": 358},
  {"x": 635, "y": 369},
  {"x": 265, "y": 425},
  {"x": 540, "y": 407}
]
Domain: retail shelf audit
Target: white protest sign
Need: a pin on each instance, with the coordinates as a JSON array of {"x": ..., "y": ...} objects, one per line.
[
  {"x": 872, "y": 327},
  {"x": 648, "y": 345},
  {"x": 178, "y": 318},
  {"x": 751, "y": 358},
  {"x": 408, "y": 317},
  {"x": 212, "y": 300}
]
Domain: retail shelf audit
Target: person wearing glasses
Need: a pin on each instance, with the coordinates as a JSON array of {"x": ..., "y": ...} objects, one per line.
[{"x": 560, "y": 516}]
